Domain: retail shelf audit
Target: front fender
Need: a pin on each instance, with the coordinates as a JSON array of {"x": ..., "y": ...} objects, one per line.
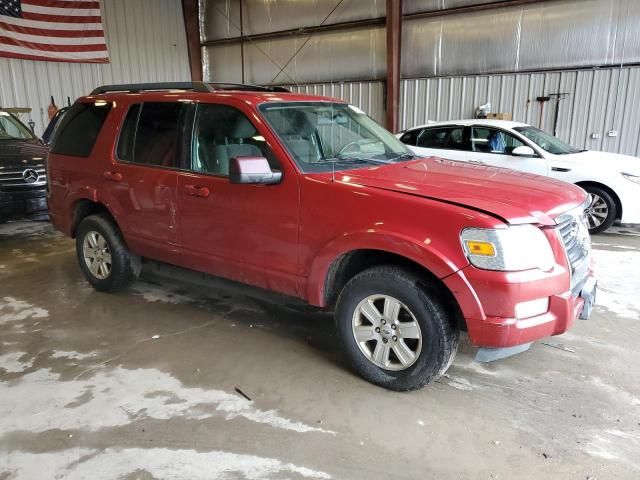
[{"x": 422, "y": 253}]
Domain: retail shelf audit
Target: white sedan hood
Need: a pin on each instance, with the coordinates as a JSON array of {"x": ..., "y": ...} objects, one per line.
[{"x": 610, "y": 161}]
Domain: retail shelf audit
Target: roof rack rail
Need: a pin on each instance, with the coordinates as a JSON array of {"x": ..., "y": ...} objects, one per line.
[
  {"x": 195, "y": 86},
  {"x": 138, "y": 87}
]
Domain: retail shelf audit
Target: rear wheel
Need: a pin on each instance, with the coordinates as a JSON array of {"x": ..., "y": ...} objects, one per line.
[
  {"x": 103, "y": 256},
  {"x": 602, "y": 211},
  {"x": 395, "y": 332}
]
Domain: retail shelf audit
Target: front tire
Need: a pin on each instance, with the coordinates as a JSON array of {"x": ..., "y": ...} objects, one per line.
[
  {"x": 103, "y": 256},
  {"x": 396, "y": 332},
  {"x": 602, "y": 211}
]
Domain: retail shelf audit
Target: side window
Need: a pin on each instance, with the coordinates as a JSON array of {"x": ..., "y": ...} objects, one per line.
[
  {"x": 410, "y": 137},
  {"x": 221, "y": 133},
  {"x": 491, "y": 140},
  {"x": 450, "y": 138},
  {"x": 127, "y": 138},
  {"x": 156, "y": 136},
  {"x": 79, "y": 129}
]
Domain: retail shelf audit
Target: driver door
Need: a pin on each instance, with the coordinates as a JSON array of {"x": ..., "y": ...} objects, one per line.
[
  {"x": 493, "y": 146},
  {"x": 248, "y": 233}
]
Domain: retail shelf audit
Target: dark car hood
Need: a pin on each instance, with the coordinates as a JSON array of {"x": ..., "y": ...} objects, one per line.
[
  {"x": 516, "y": 197},
  {"x": 22, "y": 153}
]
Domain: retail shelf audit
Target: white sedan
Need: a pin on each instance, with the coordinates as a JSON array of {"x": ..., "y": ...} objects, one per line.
[{"x": 612, "y": 180}]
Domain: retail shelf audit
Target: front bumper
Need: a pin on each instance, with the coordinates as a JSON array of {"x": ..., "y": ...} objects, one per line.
[
  {"x": 21, "y": 203},
  {"x": 502, "y": 329}
]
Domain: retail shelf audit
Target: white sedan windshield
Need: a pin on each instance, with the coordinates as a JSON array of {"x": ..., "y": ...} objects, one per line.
[{"x": 546, "y": 141}]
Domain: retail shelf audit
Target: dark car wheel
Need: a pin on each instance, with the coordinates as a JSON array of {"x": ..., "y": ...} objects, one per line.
[
  {"x": 103, "y": 256},
  {"x": 602, "y": 211},
  {"x": 395, "y": 333}
]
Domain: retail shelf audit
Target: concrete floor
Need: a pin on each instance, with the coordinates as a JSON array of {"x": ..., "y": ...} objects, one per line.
[{"x": 143, "y": 386}]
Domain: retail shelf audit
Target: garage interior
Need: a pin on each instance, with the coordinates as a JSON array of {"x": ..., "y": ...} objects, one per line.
[{"x": 201, "y": 378}]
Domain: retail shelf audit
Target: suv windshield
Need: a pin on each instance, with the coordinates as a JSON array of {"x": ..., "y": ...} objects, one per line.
[
  {"x": 12, "y": 129},
  {"x": 323, "y": 136},
  {"x": 546, "y": 141}
]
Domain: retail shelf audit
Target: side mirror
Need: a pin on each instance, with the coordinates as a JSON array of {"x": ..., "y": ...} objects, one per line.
[
  {"x": 523, "y": 151},
  {"x": 252, "y": 170}
]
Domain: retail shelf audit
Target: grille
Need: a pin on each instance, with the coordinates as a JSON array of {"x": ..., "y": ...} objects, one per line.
[
  {"x": 573, "y": 231},
  {"x": 14, "y": 178}
]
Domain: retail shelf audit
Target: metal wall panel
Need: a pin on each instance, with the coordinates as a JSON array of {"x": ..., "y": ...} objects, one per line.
[
  {"x": 597, "y": 102},
  {"x": 368, "y": 96},
  {"x": 418, "y": 6},
  {"x": 146, "y": 41},
  {"x": 350, "y": 54},
  {"x": 540, "y": 36},
  {"x": 221, "y": 18}
]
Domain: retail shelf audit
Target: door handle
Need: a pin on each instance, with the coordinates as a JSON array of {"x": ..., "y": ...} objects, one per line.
[
  {"x": 113, "y": 176},
  {"x": 196, "y": 191},
  {"x": 477, "y": 162}
]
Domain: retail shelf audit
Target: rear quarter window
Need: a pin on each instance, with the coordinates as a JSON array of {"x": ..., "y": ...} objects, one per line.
[{"x": 79, "y": 129}]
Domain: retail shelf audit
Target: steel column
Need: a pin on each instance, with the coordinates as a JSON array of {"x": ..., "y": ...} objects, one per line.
[
  {"x": 394, "y": 36},
  {"x": 191, "y": 16}
]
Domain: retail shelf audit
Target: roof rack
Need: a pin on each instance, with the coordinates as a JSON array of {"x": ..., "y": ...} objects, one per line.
[{"x": 195, "y": 86}]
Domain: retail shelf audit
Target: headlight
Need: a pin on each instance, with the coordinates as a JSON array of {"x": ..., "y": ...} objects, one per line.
[
  {"x": 510, "y": 249},
  {"x": 633, "y": 178}
]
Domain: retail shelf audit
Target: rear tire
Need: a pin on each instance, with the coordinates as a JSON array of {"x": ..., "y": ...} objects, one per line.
[
  {"x": 415, "y": 352},
  {"x": 103, "y": 256},
  {"x": 602, "y": 211}
]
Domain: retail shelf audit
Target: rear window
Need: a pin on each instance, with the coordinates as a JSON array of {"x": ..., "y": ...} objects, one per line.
[{"x": 79, "y": 129}]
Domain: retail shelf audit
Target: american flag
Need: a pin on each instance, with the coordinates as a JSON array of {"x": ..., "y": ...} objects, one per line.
[{"x": 54, "y": 30}]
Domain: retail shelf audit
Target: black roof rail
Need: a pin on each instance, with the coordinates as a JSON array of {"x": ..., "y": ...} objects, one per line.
[
  {"x": 138, "y": 87},
  {"x": 195, "y": 86},
  {"x": 246, "y": 87}
]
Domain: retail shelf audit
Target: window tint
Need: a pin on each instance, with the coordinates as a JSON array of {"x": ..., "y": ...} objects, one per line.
[
  {"x": 222, "y": 133},
  {"x": 79, "y": 129},
  {"x": 450, "y": 138},
  {"x": 410, "y": 137},
  {"x": 156, "y": 137},
  {"x": 491, "y": 140},
  {"x": 128, "y": 134}
]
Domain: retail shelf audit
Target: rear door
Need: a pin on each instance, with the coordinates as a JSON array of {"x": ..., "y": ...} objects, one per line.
[
  {"x": 247, "y": 233},
  {"x": 493, "y": 146},
  {"x": 142, "y": 181},
  {"x": 441, "y": 141}
]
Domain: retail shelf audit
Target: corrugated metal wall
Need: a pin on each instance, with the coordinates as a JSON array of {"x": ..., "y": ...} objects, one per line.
[
  {"x": 146, "y": 41},
  {"x": 368, "y": 96},
  {"x": 598, "y": 101}
]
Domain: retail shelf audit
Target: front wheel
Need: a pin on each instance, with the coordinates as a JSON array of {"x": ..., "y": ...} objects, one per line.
[
  {"x": 602, "y": 211},
  {"x": 103, "y": 256},
  {"x": 395, "y": 332}
]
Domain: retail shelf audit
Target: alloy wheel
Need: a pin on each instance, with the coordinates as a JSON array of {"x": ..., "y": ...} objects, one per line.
[
  {"x": 97, "y": 255},
  {"x": 387, "y": 332},
  {"x": 597, "y": 211}
]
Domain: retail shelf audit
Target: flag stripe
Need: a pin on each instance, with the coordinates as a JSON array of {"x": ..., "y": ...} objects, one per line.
[
  {"x": 63, "y": 56},
  {"x": 75, "y": 12},
  {"x": 53, "y": 30},
  {"x": 77, "y": 40},
  {"x": 59, "y": 18},
  {"x": 51, "y": 25},
  {"x": 52, "y": 48},
  {"x": 51, "y": 33},
  {"x": 63, "y": 3}
]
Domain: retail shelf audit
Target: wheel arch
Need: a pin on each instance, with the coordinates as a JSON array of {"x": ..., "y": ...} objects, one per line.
[
  {"x": 350, "y": 263},
  {"x": 84, "y": 207},
  {"x": 606, "y": 188}
]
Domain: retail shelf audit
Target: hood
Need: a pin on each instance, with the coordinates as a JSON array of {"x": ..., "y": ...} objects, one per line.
[
  {"x": 22, "y": 153},
  {"x": 514, "y": 197},
  {"x": 611, "y": 161}
]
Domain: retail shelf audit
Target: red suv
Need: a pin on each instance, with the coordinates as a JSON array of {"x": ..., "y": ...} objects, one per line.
[{"x": 309, "y": 197}]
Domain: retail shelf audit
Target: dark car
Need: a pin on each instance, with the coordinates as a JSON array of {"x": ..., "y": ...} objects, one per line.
[{"x": 23, "y": 177}]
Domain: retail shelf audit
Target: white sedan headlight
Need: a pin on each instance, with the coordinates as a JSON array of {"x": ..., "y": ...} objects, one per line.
[{"x": 510, "y": 249}]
